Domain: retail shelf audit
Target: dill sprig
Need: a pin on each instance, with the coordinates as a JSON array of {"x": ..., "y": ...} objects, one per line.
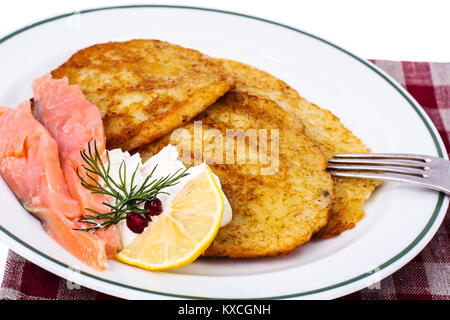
[{"x": 125, "y": 200}]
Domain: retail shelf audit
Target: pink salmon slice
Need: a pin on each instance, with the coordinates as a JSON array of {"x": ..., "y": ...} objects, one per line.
[
  {"x": 29, "y": 163},
  {"x": 73, "y": 122}
]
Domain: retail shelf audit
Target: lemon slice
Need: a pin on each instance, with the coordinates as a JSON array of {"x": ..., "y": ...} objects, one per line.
[{"x": 179, "y": 236}]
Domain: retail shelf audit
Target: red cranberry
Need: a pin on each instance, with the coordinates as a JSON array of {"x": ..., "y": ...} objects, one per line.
[
  {"x": 154, "y": 208},
  {"x": 136, "y": 222}
]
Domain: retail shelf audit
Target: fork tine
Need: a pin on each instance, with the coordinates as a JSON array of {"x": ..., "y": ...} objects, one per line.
[
  {"x": 391, "y": 169},
  {"x": 387, "y": 162},
  {"x": 404, "y": 156},
  {"x": 391, "y": 177},
  {"x": 379, "y": 176}
]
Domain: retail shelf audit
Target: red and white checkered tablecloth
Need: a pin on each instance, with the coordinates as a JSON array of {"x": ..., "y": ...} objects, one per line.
[{"x": 427, "y": 276}]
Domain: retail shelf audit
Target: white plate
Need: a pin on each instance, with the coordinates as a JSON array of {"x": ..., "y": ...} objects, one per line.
[{"x": 400, "y": 219}]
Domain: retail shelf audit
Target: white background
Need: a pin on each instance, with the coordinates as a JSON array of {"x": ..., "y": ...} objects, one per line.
[{"x": 394, "y": 30}]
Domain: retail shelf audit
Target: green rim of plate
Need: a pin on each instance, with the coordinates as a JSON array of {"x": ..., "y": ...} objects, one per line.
[{"x": 418, "y": 110}]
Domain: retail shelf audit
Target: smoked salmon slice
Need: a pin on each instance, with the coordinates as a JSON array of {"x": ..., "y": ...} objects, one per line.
[
  {"x": 73, "y": 122},
  {"x": 30, "y": 164}
]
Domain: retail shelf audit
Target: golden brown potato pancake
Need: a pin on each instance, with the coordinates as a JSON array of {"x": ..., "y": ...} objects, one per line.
[
  {"x": 145, "y": 88},
  {"x": 279, "y": 199},
  {"x": 324, "y": 129}
]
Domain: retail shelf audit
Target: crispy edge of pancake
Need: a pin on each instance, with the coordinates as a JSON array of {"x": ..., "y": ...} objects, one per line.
[
  {"x": 270, "y": 217},
  {"x": 192, "y": 81},
  {"x": 325, "y": 129}
]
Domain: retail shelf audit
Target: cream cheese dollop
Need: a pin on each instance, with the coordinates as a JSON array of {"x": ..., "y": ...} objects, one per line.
[{"x": 167, "y": 163}]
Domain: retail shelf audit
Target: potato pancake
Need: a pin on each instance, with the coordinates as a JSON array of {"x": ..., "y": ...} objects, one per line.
[
  {"x": 279, "y": 191},
  {"x": 145, "y": 88},
  {"x": 324, "y": 129}
]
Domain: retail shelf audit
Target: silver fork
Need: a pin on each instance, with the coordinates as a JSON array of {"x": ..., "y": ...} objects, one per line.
[{"x": 426, "y": 171}]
